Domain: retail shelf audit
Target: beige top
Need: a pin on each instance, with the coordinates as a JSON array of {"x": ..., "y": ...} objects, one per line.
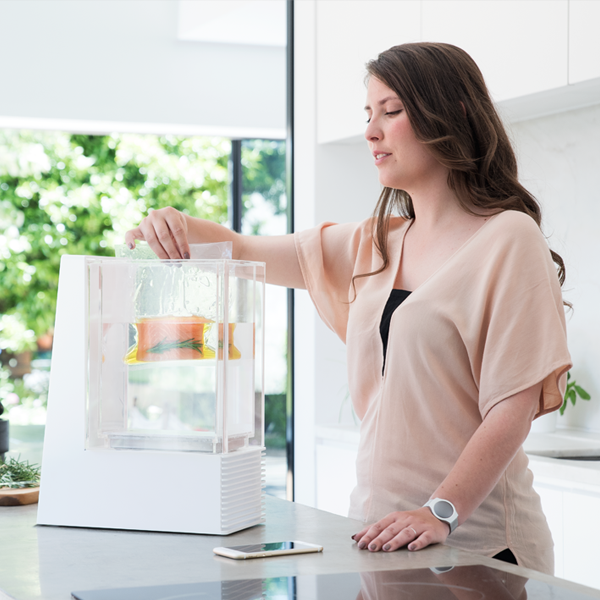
[{"x": 484, "y": 326}]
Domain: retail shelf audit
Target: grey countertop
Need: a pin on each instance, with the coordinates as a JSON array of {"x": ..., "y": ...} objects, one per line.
[
  {"x": 563, "y": 442},
  {"x": 40, "y": 562},
  {"x": 552, "y": 457}
]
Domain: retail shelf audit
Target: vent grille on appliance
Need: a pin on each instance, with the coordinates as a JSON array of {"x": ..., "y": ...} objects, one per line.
[{"x": 242, "y": 490}]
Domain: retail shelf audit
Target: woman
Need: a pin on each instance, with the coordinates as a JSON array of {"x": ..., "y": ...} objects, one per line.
[{"x": 447, "y": 385}]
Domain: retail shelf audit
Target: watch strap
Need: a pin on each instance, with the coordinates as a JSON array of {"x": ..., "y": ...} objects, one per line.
[{"x": 443, "y": 510}]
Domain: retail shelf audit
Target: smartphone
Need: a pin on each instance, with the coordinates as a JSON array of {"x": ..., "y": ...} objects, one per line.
[{"x": 266, "y": 550}]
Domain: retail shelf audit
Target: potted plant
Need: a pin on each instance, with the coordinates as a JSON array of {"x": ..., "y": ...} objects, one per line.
[
  {"x": 19, "y": 482},
  {"x": 547, "y": 423},
  {"x": 573, "y": 390}
]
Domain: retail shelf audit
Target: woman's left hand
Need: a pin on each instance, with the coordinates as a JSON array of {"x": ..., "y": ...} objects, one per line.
[{"x": 415, "y": 528}]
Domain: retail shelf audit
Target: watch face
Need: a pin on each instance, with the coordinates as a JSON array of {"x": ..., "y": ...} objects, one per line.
[{"x": 443, "y": 509}]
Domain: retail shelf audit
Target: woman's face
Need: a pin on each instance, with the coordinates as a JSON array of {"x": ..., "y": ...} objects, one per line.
[{"x": 402, "y": 161}]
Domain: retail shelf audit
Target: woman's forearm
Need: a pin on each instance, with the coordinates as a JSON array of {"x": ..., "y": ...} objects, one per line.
[
  {"x": 201, "y": 231},
  {"x": 489, "y": 452},
  {"x": 170, "y": 232},
  {"x": 277, "y": 251}
]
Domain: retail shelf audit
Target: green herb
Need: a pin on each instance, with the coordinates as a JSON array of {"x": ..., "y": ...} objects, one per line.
[
  {"x": 16, "y": 474},
  {"x": 165, "y": 346},
  {"x": 573, "y": 390}
]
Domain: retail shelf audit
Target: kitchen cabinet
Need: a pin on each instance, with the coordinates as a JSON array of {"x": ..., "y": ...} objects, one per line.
[
  {"x": 348, "y": 35},
  {"x": 520, "y": 46},
  {"x": 337, "y": 448},
  {"x": 584, "y": 41},
  {"x": 581, "y": 533},
  {"x": 570, "y": 495},
  {"x": 572, "y": 514},
  {"x": 336, "y": 478}
]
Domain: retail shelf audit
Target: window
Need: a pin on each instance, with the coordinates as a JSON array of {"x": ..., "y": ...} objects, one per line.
[
  {"x": 263, "y": 211},
  {"x": 63, "y": 193}
]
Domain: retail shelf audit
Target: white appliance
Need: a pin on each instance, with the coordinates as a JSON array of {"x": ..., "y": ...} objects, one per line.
[{"x": 156, "y": 404}]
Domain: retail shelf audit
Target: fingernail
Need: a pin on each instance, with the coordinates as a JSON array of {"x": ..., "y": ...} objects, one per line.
[
  {"x": 362, "y": 545},
  {"x": 373, "y": 547},
  {"x": 186, "y": 255},
  {"x": 386, "y": 547},
  {"x": 412, "y": 547},
  {"x": 130, "y": 246},
  {"x": 352, "y": 537}
]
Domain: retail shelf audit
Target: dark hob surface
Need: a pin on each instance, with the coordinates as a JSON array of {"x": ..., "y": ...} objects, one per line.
[{"x": 443, "y": 583}]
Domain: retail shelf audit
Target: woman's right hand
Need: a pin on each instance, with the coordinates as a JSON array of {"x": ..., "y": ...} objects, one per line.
[{"x": 165, "y": 230}]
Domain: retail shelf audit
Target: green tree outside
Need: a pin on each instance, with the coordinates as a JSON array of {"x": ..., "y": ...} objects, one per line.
[
  {"x": 263, "y": 181},
  {"x": 78, "y": 194}
]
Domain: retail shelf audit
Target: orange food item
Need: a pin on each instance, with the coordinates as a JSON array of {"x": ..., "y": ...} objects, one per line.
[{"x": 170, "y": 338}]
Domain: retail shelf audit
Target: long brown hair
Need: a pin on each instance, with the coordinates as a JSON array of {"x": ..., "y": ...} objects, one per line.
[{"x": 450, "y": 110}]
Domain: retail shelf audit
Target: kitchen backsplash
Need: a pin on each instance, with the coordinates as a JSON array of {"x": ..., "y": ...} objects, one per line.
[{"x": 559, "y": 160}]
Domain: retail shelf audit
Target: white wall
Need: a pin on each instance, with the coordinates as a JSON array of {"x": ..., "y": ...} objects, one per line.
[
  {"x": 333, "y": 182},
  {"x": 305, "y": 317},
  {"x": 122, "y": 63},
  {"x": 346, "y": 190},
  {"x": 559, "y": 158},
  {"x": 260, "y": 22}
]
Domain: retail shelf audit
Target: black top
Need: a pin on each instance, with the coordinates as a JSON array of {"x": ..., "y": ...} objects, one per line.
[{"x": 397, "y": 297}]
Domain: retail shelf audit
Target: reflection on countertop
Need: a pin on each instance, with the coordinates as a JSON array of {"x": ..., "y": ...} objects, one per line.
[{"x": 441, "y": 583}]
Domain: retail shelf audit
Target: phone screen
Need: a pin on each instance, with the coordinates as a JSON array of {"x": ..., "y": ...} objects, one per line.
[{"x": 252, "y": 548}]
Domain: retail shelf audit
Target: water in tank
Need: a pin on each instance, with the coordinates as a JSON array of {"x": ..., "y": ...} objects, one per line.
[{"x": 175, "y": 354}]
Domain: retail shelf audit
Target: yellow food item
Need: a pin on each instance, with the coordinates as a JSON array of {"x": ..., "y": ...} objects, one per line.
[{"x": 233, "y": 353}]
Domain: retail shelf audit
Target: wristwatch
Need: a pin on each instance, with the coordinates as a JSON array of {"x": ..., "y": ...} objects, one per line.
[{"x": 444, "y": 511}]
